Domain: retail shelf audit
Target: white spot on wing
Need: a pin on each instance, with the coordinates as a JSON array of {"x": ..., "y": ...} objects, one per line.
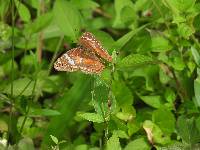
[{"x": 70, "y": 61}]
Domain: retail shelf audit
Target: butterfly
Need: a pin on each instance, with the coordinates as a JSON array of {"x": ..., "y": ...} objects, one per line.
[{"x": 85, "y": 57}]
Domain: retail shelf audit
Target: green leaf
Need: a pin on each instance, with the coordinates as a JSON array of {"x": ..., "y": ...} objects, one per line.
[
  {"x": 119, "y": 88},
  {"x": 67, "y": 18},
  {"x": 43, "y": 112},
  {"x": 27, "y": 124},
  {"x": 119, "y": 5},
  {"x": 153, "y": 101},
  {"x": 92, "y": 117},
  {"x": 73, "y": 98},
  {"x": 134, "y": 60},
  {"x": 182, "y": 5},
  {"x": 170, "y": 96},
  {"x": 138, "y": 144},
  {"x": 195, "y": 55},
  {"x": 54, "y": 139},
  {"x": 3, "y": 126},
  {"x": 23, "y": 86},
  {"x": 120, "y": 43},
  {"x": 26, "y": 143},
  {"x": 185, "y": 30},
  {"x": 85, "y": 4},
  {"x": 187, "y": 130},
  {"x": 155, "y": 134},
  {"x": 81, "y": 147},
  {"x": 113, "y": 143},
  {"x": 165, "y": 120},
  {"x": 196, "y": 91},
  {"x": 126, "y": 18},
  {"x": 120, "y": 134},
  {"x": 39, "y": 23},
  {"x": 160, "y": 44},
  {"x": 23, "y": 11}
]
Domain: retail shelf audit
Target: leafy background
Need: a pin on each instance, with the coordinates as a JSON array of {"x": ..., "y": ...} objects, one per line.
[{"x": 147, "y": 98}]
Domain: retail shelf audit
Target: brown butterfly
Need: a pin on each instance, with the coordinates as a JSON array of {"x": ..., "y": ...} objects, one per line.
[{"x": 84, "y": 57}]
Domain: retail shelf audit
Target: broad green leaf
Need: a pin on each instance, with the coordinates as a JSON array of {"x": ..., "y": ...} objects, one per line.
[
  {"x": 43, "y": 112},
  {"x": 120, "y": 43},
  {"x": 3, "y": 126},
  {"x": 138, "y": 144},
  {"x": 187, "y": 130},
  {"x": 177, "y": 63},
  {"x": 182, "y": 5},
  {"x": 153, "y": 101},
  {"x": 50, "y": 31},
  {"x": 120, "y": 134},
  {"x": 7, "y": 69},
  {"x": 39, "y": 23},
  {"x": 196, "y": 22},
  {"x": 92, "y": 117},
  {"x": 149, "y": 73},
  {"x": 23, "y": 11},
  {"x": 185, "y": 30},
  {"x": 133, "y": 127},
  {"x": 4, "y": 7},
  {"x": 195, "y": 55},
  {"x": 21, "y": 86},
  {"x": 85, "y": 4},
  {"x": 5, "y": 34},
  {"x": 67, "y": 18},
  {"x": 118, "y": 89},
  {"x": 119, "y": 5},
  {"x": 27, "y": 124},
  {"x": 67, "y": 105},
  {"x": 134, "y": 60},
  {"x": 26, "y": 144},
  {"x": 35, "y": 4},
  {"x": 160, "y": 44},
  {"x": 81, "y": 147},
  {"x": 165, "y": 120},
  {"x": 54, "y": 139},
  {"x": 126, "y": 18},
  {"x": 170, "y": 96},
  {"x": 113, "y": 143},
  {"x": 155, "y": 134},
  {"x": 196, "y": 91}
]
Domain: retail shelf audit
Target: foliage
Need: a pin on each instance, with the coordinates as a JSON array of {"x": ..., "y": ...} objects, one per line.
[{"x": 148, "y": 97}]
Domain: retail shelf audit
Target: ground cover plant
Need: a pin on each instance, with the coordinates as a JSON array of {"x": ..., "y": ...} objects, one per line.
[{"x": 147, "y": 97}]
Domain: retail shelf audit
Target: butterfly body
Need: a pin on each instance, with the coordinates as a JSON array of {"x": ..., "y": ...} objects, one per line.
[{"x": 83, "y": 58}]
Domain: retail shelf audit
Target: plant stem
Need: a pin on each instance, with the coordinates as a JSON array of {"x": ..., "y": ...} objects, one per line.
[
  {"x": 40, "y": 36},
  {"x": 12, "y": 76},
  {"x": 28, "y": 109},
  {"x": 55, "y": 54}
]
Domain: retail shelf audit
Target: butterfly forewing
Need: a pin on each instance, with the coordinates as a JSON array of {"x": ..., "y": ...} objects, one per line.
[
  {"x": 90, "y": 42},
  {"x": 79, "y": 59}
]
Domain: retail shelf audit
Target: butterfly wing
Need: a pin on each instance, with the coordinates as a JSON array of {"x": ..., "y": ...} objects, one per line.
[
  {"x": 89, "y": 41},
  {"x": 90, "y": 63},
  {"x": 67, "y": 62},
  {"x": 79, "y": 59}
]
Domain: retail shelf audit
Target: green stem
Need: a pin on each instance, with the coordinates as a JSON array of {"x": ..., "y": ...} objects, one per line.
[
  {"x": 12, "y": 76},
  {"x": 29, "y": 105},
  {"x": 55, "y": 54}
]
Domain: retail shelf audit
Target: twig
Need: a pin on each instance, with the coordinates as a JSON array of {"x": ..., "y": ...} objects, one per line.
[
  {"x": 102, "y": 13},
  {"x": 182, "y": 93}
]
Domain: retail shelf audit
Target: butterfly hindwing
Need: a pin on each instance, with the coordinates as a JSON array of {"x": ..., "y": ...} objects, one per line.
[
  {"x": 79, "y": 59},
  {"x": 90, "y": 42}
]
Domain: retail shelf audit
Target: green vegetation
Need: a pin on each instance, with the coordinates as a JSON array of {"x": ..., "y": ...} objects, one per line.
[{"x": 148, "y": 97}]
